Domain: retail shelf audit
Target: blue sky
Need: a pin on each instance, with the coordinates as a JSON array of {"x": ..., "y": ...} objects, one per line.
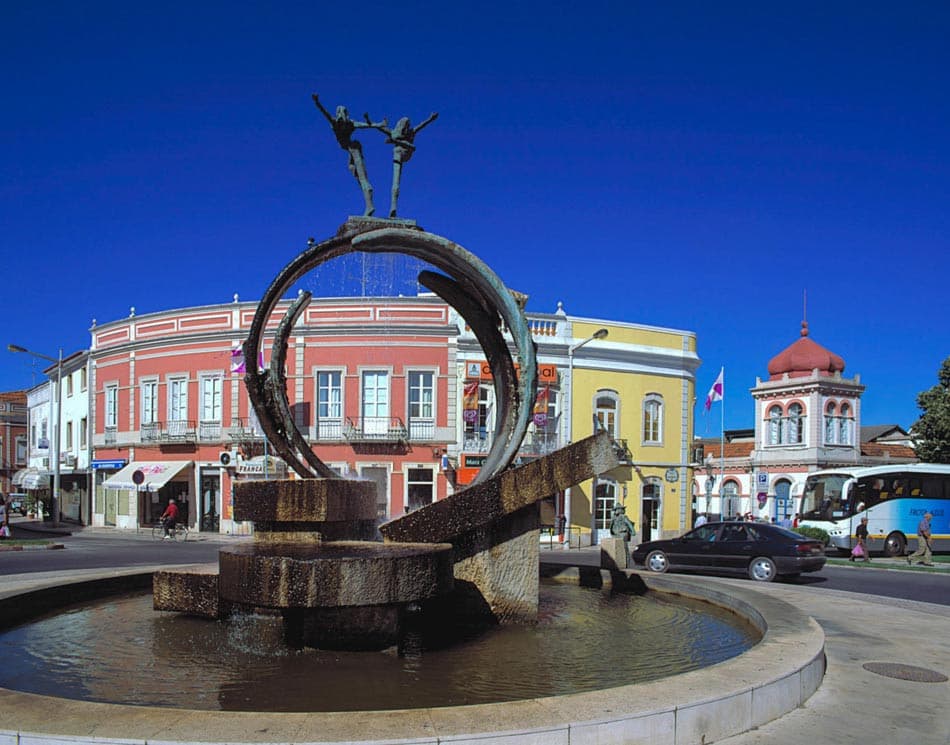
[{"x": 692, "y": 165}]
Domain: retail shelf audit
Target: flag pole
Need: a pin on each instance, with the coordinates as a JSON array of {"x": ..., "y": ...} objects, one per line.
[{"x": 722, "y": 442}]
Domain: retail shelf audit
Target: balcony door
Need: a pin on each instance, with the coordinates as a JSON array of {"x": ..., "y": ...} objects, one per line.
[{"x": 375, "y": 389}]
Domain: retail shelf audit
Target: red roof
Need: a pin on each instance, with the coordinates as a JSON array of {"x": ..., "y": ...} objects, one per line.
[{"x": 802, "y": 357}]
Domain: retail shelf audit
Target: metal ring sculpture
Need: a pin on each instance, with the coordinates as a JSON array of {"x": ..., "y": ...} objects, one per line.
[{"x": 471, "y": 287}]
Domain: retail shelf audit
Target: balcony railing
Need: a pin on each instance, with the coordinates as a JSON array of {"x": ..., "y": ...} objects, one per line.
[
  {"x": 243, "y": 430},
  {"x": 375, "y": 429},
  {"x": 209, "y": 431},
  {"x": 174, "y": 430},
  {"x": 329, "y": 429},
  {"x": 422, "y": 430}
]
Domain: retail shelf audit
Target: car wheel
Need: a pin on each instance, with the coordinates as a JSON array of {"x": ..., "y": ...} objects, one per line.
[
  {"x": 895, "y": 544},
  {"x": 657, "y": 561},
  {"x": 762, "y": 569}
]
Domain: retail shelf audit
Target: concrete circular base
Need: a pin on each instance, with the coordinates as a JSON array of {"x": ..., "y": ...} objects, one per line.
[{"x": 771, "y": 679}]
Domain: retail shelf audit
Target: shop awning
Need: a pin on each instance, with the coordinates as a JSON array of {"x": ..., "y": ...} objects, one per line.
[
  {"x": 18, "y": 477},
  {"x": 35, "y": 480},
  {"x": 155, "y": 474}
]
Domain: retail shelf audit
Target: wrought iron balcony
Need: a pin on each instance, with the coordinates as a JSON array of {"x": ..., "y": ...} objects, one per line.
[
  {"x": 209, "y": 431},
  {"x": 375, "y": 429},
  {"x": 422, "y": 430},
  {"x": 174, "y": 430},
  {"x": 242, "y": 430}
]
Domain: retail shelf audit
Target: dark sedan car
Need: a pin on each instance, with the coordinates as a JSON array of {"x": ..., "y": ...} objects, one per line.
[{"x": 759, "y": 550}]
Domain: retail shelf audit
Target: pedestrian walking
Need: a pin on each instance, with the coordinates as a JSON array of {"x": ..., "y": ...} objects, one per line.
[
  {"x": 860, "y": 550},
  {"x": 923, "y": 543}
]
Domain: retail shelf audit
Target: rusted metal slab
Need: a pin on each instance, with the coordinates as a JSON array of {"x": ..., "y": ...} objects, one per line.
[{"x": 483, "y": 504}]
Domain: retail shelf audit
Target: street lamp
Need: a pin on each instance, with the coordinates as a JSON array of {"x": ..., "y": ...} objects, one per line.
[
  {"x": 710, "y": 482},
  {"x": 598, "y": 334},
  {"x": 54, "y": 501}
]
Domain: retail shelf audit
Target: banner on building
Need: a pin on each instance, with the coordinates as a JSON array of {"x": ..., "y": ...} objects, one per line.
[
  {"x": 470, "y": 402},
  {"x": 541, "y": 407}
]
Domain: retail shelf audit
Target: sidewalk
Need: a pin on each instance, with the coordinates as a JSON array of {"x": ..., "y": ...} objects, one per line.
[{"x": 854, "y": 704}]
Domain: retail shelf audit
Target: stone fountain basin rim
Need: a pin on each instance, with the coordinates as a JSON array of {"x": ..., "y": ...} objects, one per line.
[{"x": 772, "y": 678}]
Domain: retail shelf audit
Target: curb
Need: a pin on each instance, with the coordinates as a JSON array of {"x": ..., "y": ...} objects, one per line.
[{"x": 771, "y": 679}]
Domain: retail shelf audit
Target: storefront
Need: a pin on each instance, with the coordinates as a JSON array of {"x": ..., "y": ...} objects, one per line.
[{"x": 144, "y": 488}]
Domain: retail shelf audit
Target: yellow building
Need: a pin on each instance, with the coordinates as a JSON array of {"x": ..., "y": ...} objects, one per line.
[{"x": 635, "y": 381}]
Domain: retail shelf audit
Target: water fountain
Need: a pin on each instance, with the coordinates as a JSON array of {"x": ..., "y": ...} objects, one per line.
[{"x": 314, "y": 567}]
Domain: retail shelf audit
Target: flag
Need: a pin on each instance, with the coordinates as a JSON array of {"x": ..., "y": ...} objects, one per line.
[
  {"x": 715, "y": 393},
  {"x": 238, "y": 364}
]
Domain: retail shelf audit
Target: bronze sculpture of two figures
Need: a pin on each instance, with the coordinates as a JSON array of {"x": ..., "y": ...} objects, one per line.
[{"x": 401, "y": 137}]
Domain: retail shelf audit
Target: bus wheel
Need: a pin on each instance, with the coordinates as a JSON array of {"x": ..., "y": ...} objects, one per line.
[{"x": 895, "y": 544}]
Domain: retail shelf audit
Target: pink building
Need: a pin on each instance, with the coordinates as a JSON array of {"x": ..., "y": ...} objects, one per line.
[{"x": 372, "y": 384}]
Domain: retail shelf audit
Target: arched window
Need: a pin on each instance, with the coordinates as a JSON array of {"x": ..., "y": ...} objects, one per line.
[
  {"x": 831, "y": 425},
  {"x": 653, "y": 419},
  {"x": 775, "y": 425},
  {"x": 796, "y": 424},
  {"x": 845, "y": 426},
  {"x": 730, "y": 500},
  {"x": 786, "y": 427},
  {"x": 607, "y": 412}
]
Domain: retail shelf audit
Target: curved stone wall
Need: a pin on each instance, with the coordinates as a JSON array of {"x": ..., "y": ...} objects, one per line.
[{"x": 773, "y": 678}]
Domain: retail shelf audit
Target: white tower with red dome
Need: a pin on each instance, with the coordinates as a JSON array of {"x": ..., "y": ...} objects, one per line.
[{"x": 807, "y": 415}]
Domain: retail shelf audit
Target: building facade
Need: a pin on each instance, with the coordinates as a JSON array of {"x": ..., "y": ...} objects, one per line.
[
  {"x": 13, "y": 440},
  {"x": 396, "y": 390},
  {"x": 74, "y": 453}
]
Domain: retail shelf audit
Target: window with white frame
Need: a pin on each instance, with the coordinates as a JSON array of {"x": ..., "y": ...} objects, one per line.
[
  {"x": 177, "y": 399},
  {"x": 69, "y": 435},
  {"x": 375, "y": 401},
  {"x": 83, "y": 431},
  {"x": 329, "y": 404},
  {"x": 211, "y": 386},
  {"x": 653, "y": 419},
  {"x": 83, "y": 379},
  {"x": 421, "y": 404},
  {"x": 112, "y": 406},
  {"x": 420, "y": 487},
  {"x": 607, "y": 412},
  {"x": 149, "y": 412},
  {"x": 69, "y": 384},
  {"x": 480, "y": 420}
]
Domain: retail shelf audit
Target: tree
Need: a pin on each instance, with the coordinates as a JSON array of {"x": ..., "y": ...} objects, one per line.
[{"x": 932, "y": 430}]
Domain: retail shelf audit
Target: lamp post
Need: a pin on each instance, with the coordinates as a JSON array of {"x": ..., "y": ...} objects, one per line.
[
  {"x": 598, "y": 334},
  {"x": 710, "y": 482},
  {"x": 54, "y": 501}
]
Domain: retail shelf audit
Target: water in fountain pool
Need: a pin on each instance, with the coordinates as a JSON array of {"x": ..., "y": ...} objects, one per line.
[{"x": 122, "y": 651}]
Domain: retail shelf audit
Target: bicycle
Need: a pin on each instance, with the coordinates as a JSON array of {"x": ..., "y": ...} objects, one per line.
[{"x": 179, "y": 533}]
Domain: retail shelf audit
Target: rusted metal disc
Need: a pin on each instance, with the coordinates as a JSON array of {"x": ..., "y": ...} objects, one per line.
[{"x": 471, "y": 287}]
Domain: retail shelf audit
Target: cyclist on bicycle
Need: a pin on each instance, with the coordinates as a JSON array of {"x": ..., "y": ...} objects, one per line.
[{"x": 169, "y": 518}]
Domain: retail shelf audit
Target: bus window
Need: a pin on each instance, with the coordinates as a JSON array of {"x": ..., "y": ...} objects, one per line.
[
  {"x": 868, "y": 491},
  {"x": 915, "y": 487},
  {"x": 935, "y": 487}
]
